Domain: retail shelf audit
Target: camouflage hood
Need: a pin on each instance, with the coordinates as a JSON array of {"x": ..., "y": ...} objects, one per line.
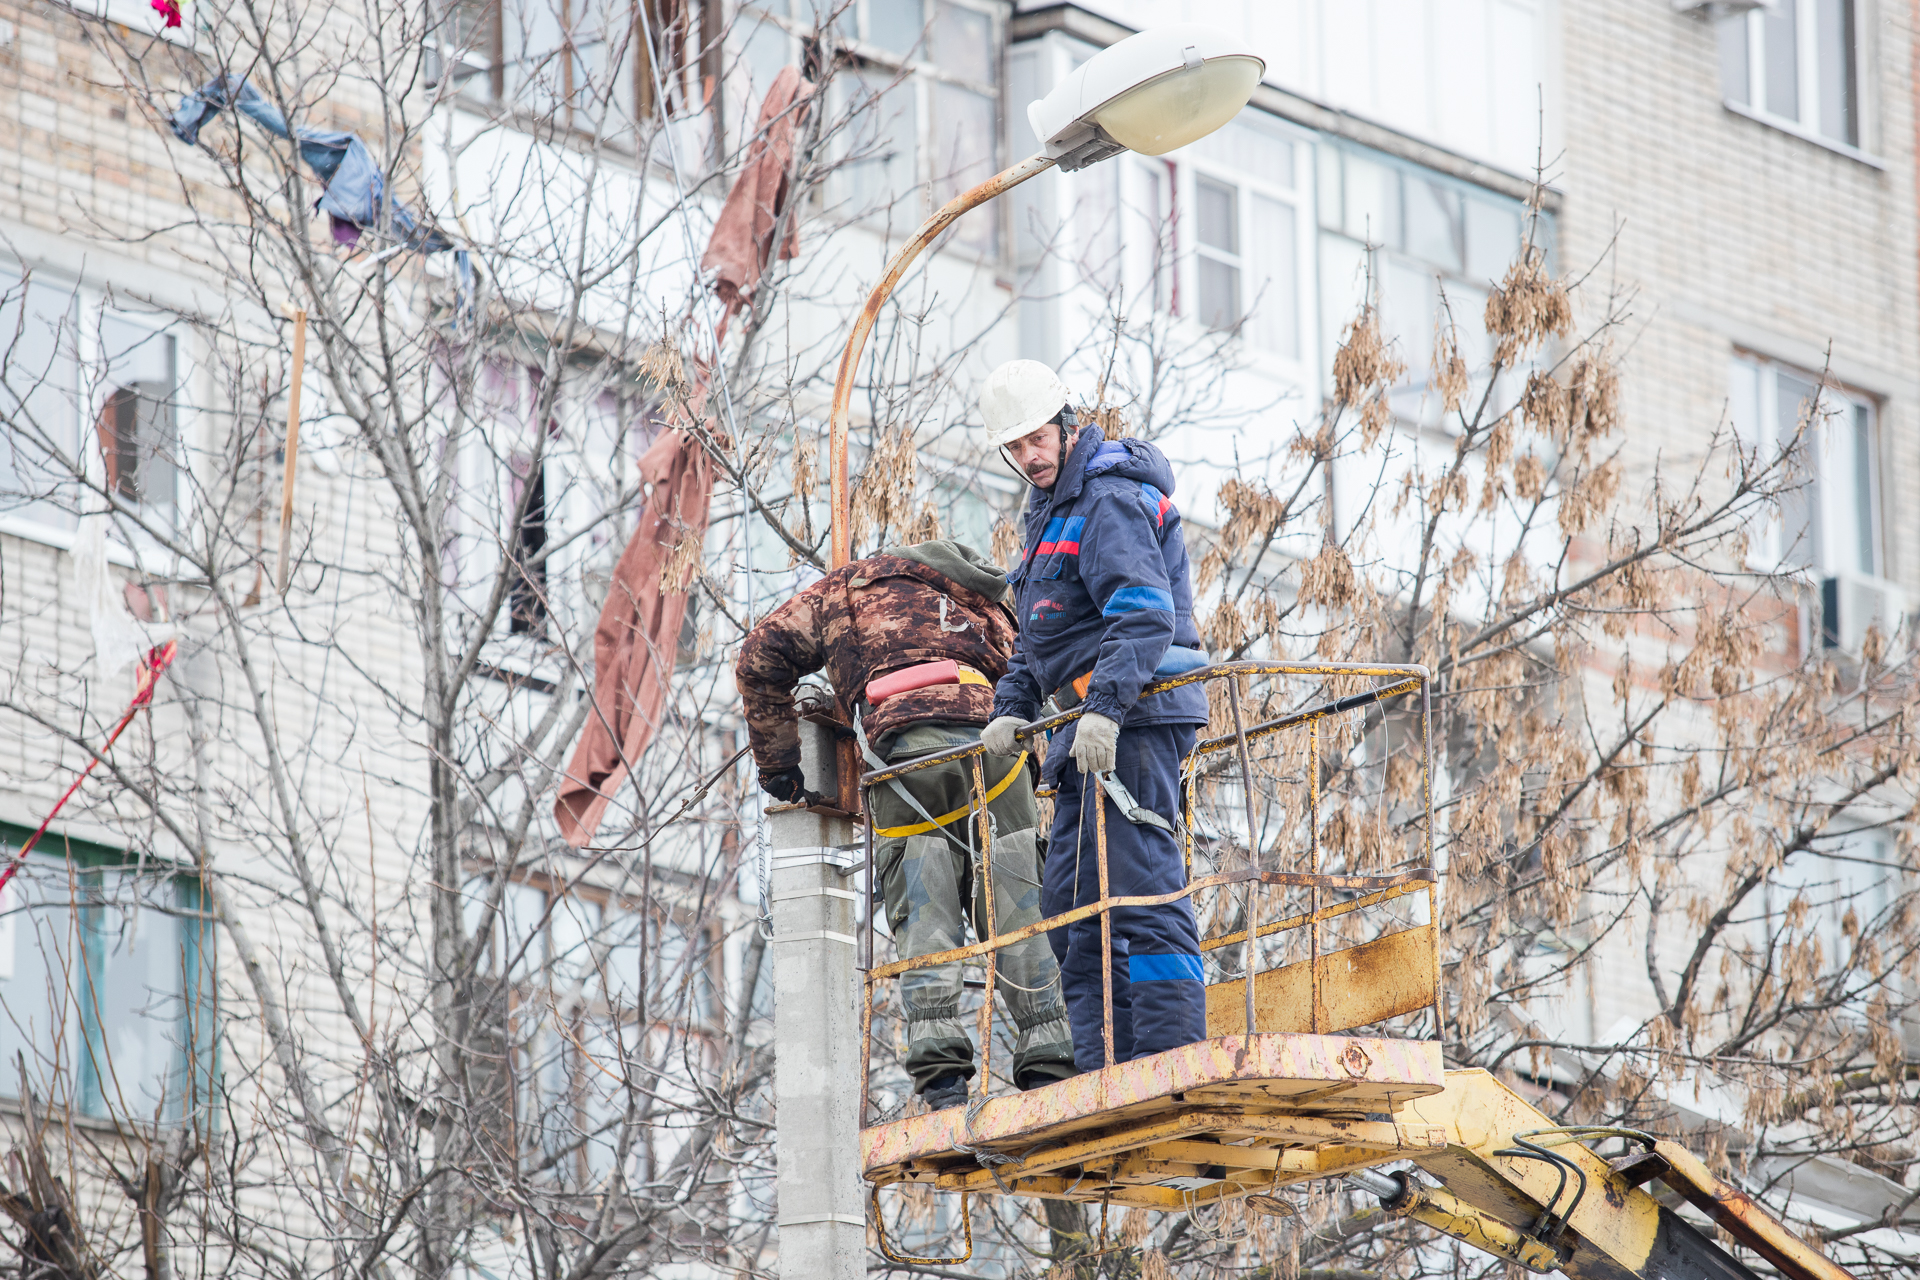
[
  {"x": 960, "y": 563},
  {"x": 866, "y": 619}
]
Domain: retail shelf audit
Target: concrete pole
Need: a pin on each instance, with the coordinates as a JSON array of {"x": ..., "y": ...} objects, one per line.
[{"x": 816, "y": 1029}]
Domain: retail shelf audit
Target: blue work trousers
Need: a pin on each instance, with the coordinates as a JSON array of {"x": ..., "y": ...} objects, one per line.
[{"x": 1159, "y": 998}]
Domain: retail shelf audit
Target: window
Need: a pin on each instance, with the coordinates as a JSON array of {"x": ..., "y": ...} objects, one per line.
[
  {"x": 136, "y": 422},
  {"x": 595, "y": 985},
  {"x": 559, "y": 549},
  {"x": 583, "y": 62},
  {"x": 527, "y": 598},
  {"x": 1156, "y": 180},
  {"x": 1241, "y": 186},
  {"x": 1411, "y": 234},
  {"x": 1795, "y": 64},
  {"x": 925, "y": 95},
  {"x": 67, "y": 357},
  {"x": 1093, "y": 196},
  {"x": 1217, "y": 229},
  {"x": 39, "y": 392},
  {"x": 1830, "y": 523},
  {"x": 881, "y": 168},
  {"x": 467, "y": 49},
  {"x": 102, "y": 985},
  {"x": 1845, "y": 890}
]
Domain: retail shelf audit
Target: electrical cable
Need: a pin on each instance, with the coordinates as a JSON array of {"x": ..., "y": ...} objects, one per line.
[{"x": 1563, "y": 1134}]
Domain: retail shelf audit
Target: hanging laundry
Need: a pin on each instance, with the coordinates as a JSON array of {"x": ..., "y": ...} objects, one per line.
[
  {"x": 742, "y": 242},
  {"x": 638, "y": 635},
  {"x": 355, "y": 190}
]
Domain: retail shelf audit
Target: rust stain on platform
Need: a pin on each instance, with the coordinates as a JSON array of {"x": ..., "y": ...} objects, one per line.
[{"x": 1227, "y": 1088}]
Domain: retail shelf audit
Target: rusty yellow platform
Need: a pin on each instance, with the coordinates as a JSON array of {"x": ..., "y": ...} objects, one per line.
[{"x": 1216, "y": 1118}]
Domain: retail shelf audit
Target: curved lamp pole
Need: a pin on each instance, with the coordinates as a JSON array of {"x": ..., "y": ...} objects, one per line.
[{"x": 1150, "y": 93}]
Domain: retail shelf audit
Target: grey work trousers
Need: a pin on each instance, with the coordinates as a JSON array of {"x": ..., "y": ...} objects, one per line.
[{"x": 926, "y": 877}]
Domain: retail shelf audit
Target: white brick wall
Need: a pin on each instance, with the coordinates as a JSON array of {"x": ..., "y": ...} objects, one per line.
[{"x": 1730, "y": 231}]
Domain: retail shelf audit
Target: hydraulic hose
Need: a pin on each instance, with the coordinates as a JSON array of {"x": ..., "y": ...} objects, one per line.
[{"x": 1446, "y": 1213}]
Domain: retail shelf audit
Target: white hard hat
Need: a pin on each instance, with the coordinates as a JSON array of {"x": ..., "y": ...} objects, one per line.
[{"x": 1019, "y": 398}]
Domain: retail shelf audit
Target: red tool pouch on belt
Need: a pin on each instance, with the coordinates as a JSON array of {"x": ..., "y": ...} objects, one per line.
[
  {"x": 907, "y": 679},
  {"x": 923, "y": 676}
]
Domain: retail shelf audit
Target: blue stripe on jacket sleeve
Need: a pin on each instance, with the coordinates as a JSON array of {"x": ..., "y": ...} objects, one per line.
[
  {"x": 1164, "y": 968},
  {"x": 1129, "y": 599}
]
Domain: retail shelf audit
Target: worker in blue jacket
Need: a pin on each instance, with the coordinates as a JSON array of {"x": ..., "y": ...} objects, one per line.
[{"x": 1104, "y": 604}]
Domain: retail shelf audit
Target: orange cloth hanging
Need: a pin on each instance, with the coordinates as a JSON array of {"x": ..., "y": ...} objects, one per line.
[{"x": 637, "y": 636}]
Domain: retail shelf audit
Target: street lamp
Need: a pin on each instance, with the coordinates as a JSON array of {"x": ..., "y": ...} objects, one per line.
[{"x": 1151, "y": 93}]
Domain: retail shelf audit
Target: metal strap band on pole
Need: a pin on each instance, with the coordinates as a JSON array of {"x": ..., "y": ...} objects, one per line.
[{"x": 826, "y": 935}]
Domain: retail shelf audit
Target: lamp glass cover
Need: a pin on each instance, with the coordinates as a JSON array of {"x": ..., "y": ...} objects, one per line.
[{"x": 1182, "y": 106}]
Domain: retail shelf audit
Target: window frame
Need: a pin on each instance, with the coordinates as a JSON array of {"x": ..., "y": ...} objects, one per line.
[
  {"x": 547, "y": 1069},
  {"x": 630, "y": 79},
  {"x": 1191, "y": 165},
  {"x": 1233, "y": 259},
  {"x": 1382, "y": 254},
  {"x": 912, "y": 67},
  {"x": 578, "y": 480},
  {"x": 1806, "y": 76},
  {"x": 81, "y": 348},
  {"x": 194, "y": 1063},
  {"x": 1768, "y": 551},
  {"x": 167, "y": 334},
  {"x": 1832, "y": 874}
]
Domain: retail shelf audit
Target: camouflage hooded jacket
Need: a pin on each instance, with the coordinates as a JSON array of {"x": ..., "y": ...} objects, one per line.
[{"x": 876, "y": 615}]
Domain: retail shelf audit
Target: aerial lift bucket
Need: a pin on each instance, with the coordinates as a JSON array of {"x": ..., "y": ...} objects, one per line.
[{"x": 1281, "y": 1093}]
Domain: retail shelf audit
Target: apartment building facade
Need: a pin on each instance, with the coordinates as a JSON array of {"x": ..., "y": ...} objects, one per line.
[
  {"x": 1745, "y": 172},
  {"x": 1733, "y": 184}
]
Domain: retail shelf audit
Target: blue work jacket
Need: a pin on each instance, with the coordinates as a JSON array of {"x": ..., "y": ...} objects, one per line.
[{"x": 1102, "y": 587}]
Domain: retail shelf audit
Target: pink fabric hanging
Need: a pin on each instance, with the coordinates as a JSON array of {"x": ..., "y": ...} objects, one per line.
[
  {"x": 741, "y": 245},
  {"x": 637, "y": 636}
]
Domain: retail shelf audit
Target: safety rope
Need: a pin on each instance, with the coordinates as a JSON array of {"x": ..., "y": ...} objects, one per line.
[
  {"x": 986, "y": 1159},
  {"x": 158, "y": 660},
  {"x": 909, "y": 1259},
  {"x": 933, "y": 823}
]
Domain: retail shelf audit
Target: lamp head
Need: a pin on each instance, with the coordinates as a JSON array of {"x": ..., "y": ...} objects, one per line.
[{"x": 1152, "y": 93}]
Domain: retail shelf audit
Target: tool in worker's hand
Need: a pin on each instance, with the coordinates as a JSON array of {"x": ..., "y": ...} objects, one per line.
[
  {"x": 158, "y": 660},
  {"x": 1130, "y": 809}
]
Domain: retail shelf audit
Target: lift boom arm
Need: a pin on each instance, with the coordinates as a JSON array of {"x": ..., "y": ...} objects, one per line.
[{"x": 1519, "y": 1187}]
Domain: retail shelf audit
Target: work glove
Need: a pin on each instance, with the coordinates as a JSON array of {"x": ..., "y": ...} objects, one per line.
[
  {"x": 997, "y": 737},
  {"x": 1093, "y": 743},
  {"x": 789, "y": 786}
]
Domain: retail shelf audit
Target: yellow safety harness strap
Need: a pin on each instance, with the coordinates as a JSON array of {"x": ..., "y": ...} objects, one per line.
[{"x": 921, "y": 828}]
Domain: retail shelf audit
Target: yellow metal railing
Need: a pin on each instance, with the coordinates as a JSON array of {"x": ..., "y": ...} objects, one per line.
[{"x": 1399, "y": 681}]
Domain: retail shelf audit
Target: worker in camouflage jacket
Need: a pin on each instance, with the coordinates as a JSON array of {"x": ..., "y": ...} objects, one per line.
[{"x": 898, "y": 614}]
